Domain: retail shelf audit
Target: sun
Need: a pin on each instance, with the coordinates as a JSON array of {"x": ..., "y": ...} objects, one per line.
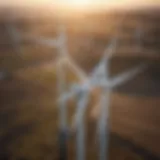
[
  {"x": 75, "y": 3},
  {"x": 79, "y": 2}
]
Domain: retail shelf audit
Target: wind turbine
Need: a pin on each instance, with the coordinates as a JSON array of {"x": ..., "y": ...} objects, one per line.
[
  {"x": 61, "y": 42},
  {"x": 99, "y": 78}
]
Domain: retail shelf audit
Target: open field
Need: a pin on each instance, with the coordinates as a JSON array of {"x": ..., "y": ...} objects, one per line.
[{"x": 28, "y": 93}]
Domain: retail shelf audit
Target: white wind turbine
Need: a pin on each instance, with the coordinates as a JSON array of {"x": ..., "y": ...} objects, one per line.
[
  {"x": 99, "y": 78},
  {"x": 63, "y": 57}
]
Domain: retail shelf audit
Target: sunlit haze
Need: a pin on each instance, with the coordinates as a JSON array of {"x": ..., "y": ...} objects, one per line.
[{"x": 81, "y": 3}]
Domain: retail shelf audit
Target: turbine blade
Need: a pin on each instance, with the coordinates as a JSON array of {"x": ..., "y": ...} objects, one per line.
[
  {"x": 15, "y": 37},
  {"x": 43, "y": 41},
  {"x": 126, "y": 76},
  {"x": 100, "y": 71}
]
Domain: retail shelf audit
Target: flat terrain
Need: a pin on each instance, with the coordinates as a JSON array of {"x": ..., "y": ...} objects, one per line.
[{"x": 28, "y": 92}]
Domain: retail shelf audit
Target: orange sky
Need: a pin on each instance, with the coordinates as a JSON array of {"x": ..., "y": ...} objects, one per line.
[{"x": 97, "y": 3}]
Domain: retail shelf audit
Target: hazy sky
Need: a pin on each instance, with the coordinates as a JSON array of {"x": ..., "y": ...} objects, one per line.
[{"x": 80, "y": 2}]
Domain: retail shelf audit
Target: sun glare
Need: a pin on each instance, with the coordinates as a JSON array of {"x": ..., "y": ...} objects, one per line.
[
  {"x": 75, "y": 3},
  {"x": 78, "y": 2}
]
